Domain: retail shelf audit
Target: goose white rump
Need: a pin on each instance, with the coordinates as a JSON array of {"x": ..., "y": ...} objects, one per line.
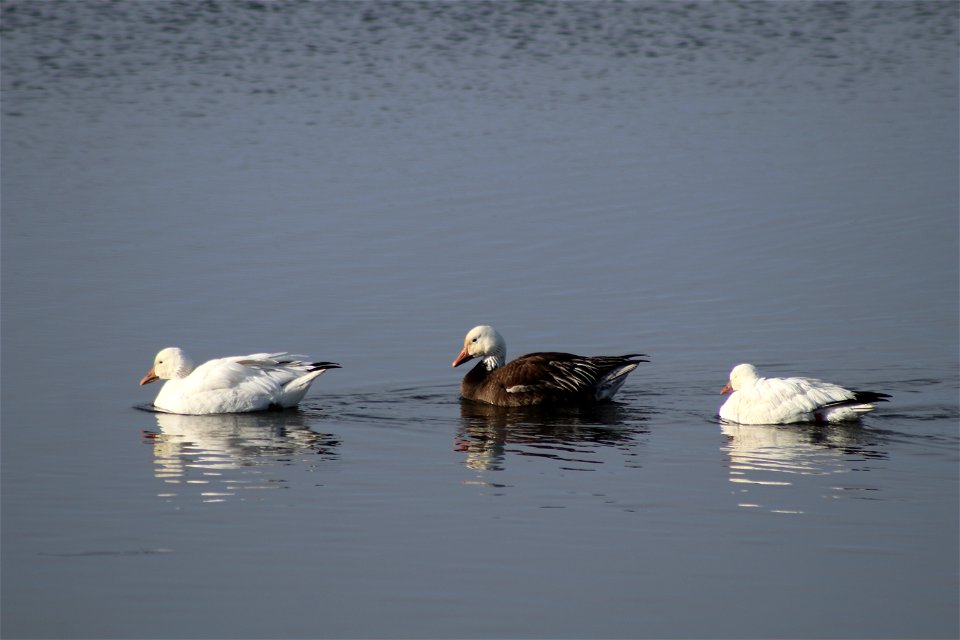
[
  {"x": 236, "y": 384},
  {"x": 757, "y": 400}
]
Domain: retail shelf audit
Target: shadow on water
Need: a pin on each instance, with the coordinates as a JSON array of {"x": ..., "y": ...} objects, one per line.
[
  {"x": 764, "y": 456},
  {"x": 575, "y": 436},
  {"x": 224, "y": 454}
]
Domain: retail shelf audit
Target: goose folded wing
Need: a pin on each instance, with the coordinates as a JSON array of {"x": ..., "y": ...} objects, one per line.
[
  {"x": 234, "y": 374},
  {"x": 270, "y": 360},
  {"x": 552, "y": 372},
  {"x": 803, "y": 394}
]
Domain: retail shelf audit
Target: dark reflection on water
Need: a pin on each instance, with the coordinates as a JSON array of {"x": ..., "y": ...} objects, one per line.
[
  {"x": 224, "y": 454},
  {"x": 762, "y": 456},
  {"x": 572, "y": 436}
]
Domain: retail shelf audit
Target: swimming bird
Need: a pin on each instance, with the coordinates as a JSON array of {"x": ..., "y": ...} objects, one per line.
[
  {"x": 236, "y": 384},
  {"x": 538, "y": 378},
  {"x": 757, "y": 400}
]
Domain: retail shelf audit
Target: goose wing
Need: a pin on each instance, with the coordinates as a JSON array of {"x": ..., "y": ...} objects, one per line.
[
  {"x": 785, "y": 400},
  {"x": 553, "y": 372},
  {"x": 255, "y": 374},
  {"x": 800, "y": 395}
]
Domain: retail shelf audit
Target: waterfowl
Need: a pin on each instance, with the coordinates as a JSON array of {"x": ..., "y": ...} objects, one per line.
[
  {"x": 757, "y": 400},
  {"x": 236, "y": 384},
  {"x": 547, "y": 378}
]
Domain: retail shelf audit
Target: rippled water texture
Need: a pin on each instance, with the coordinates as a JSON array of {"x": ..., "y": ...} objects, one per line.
[{"x": 708, "y": 183}]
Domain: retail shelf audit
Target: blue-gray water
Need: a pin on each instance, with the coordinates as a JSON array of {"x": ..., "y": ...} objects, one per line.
[{"x": 708, "y": 183}]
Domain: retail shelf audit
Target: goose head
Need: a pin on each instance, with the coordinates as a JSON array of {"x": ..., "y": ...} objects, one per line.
[
  {"x": 170, "y": 363},
  {"x": 740, "y": 376},
  {"x": 483, "y": 342}
]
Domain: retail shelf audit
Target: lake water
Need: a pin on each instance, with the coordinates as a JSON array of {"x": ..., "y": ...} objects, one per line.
[{"x": 707, "y": 183}]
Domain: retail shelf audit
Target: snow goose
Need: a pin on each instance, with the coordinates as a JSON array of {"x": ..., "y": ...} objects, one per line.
[
  {"x": 756, "y": 400},
  {"x": 235, "y": 384},
  {"x": 538, "y": 378}
]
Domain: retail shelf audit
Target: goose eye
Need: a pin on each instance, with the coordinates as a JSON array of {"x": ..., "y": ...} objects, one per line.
[{"x": 475, "y": 339}]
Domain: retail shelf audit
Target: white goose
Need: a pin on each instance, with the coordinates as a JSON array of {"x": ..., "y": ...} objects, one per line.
[
  {"x": 756, "y": 400},
  {"x": 235, "y": 384}
]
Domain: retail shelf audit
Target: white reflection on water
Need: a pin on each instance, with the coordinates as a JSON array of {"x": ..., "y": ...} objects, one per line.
[
  {"x": 762, "y": 456},
  {"x": 224, "y": 454},
  {"x": 576, "y": 438}
]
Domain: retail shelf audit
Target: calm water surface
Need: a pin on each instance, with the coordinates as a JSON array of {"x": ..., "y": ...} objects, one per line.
[{"x": 708, "y": 183}]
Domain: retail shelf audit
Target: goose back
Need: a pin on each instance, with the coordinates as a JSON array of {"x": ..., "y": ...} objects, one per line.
[{"x": 549, "y": 378}]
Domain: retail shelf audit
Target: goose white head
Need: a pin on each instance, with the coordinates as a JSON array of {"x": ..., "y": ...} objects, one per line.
[
  {"x": 170, "y": 363},
  {"x": 741, "y": 376},
  {"x": 483, "y": 342}
]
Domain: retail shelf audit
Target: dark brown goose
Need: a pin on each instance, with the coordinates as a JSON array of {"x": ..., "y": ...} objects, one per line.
[{"x": 538, "y": 378}]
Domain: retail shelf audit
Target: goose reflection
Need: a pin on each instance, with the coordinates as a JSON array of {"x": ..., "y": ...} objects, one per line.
[
  {"x": 223, "y": 454},
  {"x": 574, "y": 437},
  {"x": 781, "y": 455}
]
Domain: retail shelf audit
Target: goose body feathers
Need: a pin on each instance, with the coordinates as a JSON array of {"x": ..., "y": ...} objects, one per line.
[
  {"x": 757, "y": 400},
  {"x": 235, "y": 384}
]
